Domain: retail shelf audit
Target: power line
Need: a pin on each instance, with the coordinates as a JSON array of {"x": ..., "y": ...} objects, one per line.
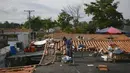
[{"x": 29, "y": 16}]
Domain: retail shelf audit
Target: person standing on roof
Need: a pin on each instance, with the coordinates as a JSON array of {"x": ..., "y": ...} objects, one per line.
[{"x": 68, "y": 44}]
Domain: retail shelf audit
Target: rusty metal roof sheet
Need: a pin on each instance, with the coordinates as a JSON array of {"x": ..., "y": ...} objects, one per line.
[
  {"x": 17, "y": 30},
  {"x": 97, "y": 44},
  {"x": 23, "y": 69},
  {"x": 90, "y": 36}
]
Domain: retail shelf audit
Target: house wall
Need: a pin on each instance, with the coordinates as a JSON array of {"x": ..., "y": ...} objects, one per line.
[{"x": 23, "y": 37}]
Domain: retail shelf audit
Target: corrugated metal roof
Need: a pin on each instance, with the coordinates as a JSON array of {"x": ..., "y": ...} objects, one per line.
[
  {"x": 24, "y": 69},
  {"x": 17, "y": 30},
  {"x": 97, "y": 44},
  {"x": 96, "y": 41},
  {"x": 89, "y": 36}
]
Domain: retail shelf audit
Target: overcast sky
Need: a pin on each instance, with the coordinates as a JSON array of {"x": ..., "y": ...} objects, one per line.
[{"x": 13, "y": 10}]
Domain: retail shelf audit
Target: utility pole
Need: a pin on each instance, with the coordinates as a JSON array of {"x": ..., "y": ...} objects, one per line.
[{"x": 29, "y": 16}]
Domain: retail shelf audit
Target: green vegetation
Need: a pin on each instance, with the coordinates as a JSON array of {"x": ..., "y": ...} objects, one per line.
[
  {"x": 104, "y": 14},
  {"x": 6, "y": 24},
  {"x": 36, "y": 23},
  {"x": 64, "y": 21}
]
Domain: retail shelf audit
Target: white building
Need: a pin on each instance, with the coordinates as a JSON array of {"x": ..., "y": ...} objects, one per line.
[{"x": 23, "y": 35}]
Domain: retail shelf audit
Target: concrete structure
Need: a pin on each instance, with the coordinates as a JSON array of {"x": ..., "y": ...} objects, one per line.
[
  {"x": 22, "y": 35},
  {"x": 24, "y": 38}
]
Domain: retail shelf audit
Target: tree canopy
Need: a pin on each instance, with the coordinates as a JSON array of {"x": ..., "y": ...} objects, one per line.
[
  {"x": 74, "y": 11},
  {"x": 104, "y": 13},
  {"x": 64, "y": 21},
  {"x": 36, "y": 23},
  {"x": 7, "y": 24}
]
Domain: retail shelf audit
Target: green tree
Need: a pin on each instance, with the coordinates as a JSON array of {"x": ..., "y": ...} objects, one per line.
[
  {"x": 74, "y": 12},
  {"x": 104, "y": 13},
  {"x": 91, "y": 28},
  {"x": 14, "y": 25},
  {"x": 64, "y": 20},
  {"x": 1, "y": 25},
  {"x": 48, "y": 23},
  {"x": 82, "y": 27},
  {"x": 6, "y": 24},
  {"x": 68, "y": 30},
  {"x": 35, "y": 23}
]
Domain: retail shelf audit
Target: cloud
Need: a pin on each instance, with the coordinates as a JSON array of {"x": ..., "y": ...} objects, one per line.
[
  {"x": 13, "y": 10},
  {"x": 123, "y": 7}
]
